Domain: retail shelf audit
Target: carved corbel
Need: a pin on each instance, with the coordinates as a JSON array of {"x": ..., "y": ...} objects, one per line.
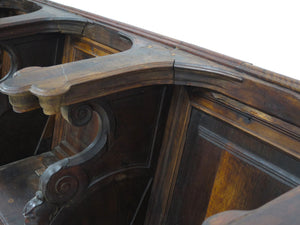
[{"x": 64, "y": 182}]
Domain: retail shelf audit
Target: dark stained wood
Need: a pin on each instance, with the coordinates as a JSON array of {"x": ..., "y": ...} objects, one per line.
[
  {"x": 213, "y": 180},
  {"x": 17, "y": 7},
  {"x": 108, "y": 36},
  {"x": 239, "y": 186},
  {"x": 5, "y": 106},
  {"x": 195, "y": 180},
  {"x": 78, "y": 48},
  {"x": 240, "y": 86},
  {"x": 119, "y": 197},
  {"x": 14, "y": 8},
  {"x": 67, "y": 139},
  {"x": 44, "y": 20},
  {"x": 19, "y": 182},
  {"x": 258, "y": 126},
  {"x": 5, "y": 63},
  {"x": 105, "y": 71},
  {"x": 130, "y": 161},
  {"x": 35, "y": 50},
  {"x": 170, "y": 157},
  {"x": 133, "y": 158},
  {"x": 20, "y": 133},
  {"x": 46, "y": 137},
  {"x": 125, "y": 153},
  {"x": 229, "y": 62}
]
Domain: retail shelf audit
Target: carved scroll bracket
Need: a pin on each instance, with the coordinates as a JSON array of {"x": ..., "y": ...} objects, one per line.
[{"x": 65, "y": 181}]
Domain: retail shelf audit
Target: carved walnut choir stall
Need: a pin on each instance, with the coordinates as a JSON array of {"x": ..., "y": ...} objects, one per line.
[{"x": 104, "y": 123}]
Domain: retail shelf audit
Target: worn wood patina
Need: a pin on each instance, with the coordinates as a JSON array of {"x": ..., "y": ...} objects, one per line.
[{"x": 112, "y": 124}]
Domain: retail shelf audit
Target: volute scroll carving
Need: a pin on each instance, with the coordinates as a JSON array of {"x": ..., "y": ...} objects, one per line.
[
  {"x": 78, "y": 115},
  {"x": 65, "y": 181}
]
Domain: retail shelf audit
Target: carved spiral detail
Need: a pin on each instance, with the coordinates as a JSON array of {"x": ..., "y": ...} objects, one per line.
[
  {"x": 66, "y": 186},
  {"x": 67, "y": 181},
  {"x": 80, "y": 115},
  {"x": 77, "y": 115}
]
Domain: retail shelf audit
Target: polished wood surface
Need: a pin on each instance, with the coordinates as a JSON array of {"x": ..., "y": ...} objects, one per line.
[
  {"x": 142, "y": 129},
  {"x": 224, "y": 166},
  {"x": 170, "y": 157}
]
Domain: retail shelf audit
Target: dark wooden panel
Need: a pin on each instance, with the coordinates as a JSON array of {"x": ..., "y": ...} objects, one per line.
[
  {"x": 20, "y": 134},
  {"x": 78, "y": 48},
  {"x": 15, "y": 7},
  {"x": 135, "y": 115},
  {"x": 169, "y": 159},
  {"x": 36, "y": 50},
  {"x": 212, "y": 178},
  {"x": 113, "y": 202},
  {"x": 69, "y": 140},
  {"x": 125, "y": 171},
  {"x": 245, "y": 153},
  {"x": 120, "y": 178},
  {"x": 262, "y": 135},
  {"x": 195, "y": 180},
  {"x": 241, "y": 186},
  {"x": 107, "y": 36}
]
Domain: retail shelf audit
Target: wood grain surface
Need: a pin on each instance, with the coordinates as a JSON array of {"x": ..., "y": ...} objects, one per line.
[{"x": 143, "y": 129}]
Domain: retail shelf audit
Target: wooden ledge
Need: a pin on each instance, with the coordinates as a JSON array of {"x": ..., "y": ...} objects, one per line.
[
  {"x": 55, "y": 86},
  {"x": 146, "y": 63},
  {"x": 220, "y": 59}
]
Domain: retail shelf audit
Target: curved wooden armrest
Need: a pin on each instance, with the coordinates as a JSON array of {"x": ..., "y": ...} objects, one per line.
[
  {"x": 283, "y": 210},
  {"x": 65, "y": 84}
]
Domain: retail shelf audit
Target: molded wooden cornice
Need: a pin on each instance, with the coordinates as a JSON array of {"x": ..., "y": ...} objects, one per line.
[
  {"x": 145, "y": 59},
  {"x": 146, "y": 63},
  {"x": 229, "y": 62}
]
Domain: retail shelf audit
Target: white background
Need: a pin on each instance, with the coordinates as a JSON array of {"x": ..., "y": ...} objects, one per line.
[{"x": 263, "y": 32}]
